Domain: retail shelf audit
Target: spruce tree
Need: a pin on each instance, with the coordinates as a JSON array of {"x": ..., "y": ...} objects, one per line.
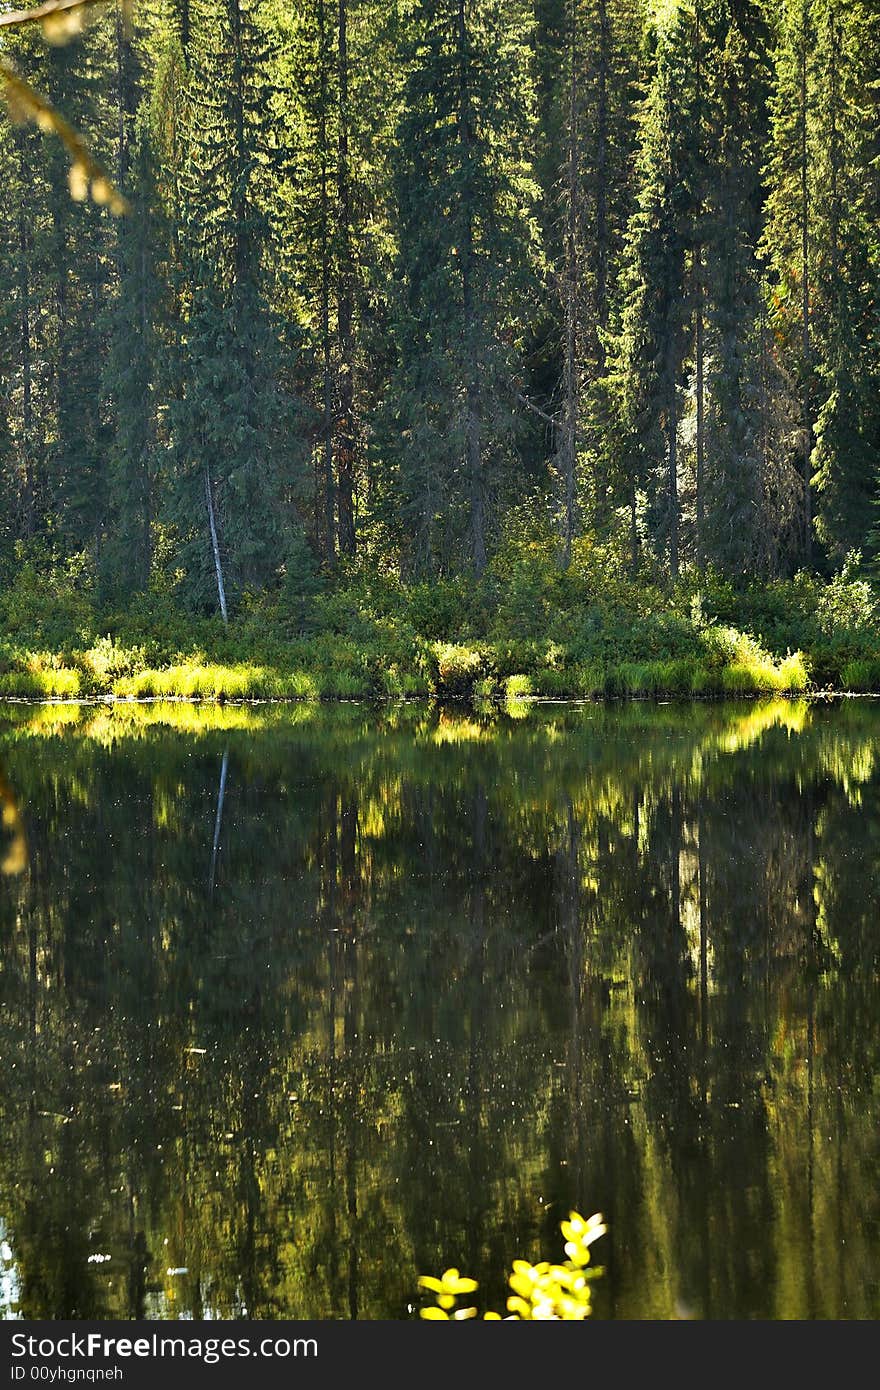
[
  {"x": 130, "y": 378},
  {"x": 14, "y": 325},
  {"x": 230, "y": 424},
  {"x": 588, "y": 60},
  {"x": 80, "y": 238},
  {"x": 846, "y": 260},
  {"x": 464, "y": 227},
  {"x": 23, "y": 428},
  {"x": 734, "y": 482},
  {"x": 789, "y": 232},
  {"x": 654, "y": 325},
  {"x": 612, "y": 89}
]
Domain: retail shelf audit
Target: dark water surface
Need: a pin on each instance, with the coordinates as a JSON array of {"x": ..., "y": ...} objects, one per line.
[{"x": 299, "y": 1003}]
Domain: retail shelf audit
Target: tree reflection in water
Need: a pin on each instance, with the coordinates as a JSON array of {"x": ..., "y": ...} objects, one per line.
[{"x": 298, "y": 1003}]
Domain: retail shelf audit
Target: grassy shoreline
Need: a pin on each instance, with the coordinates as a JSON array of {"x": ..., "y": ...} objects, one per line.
[
  {"x": 724, "y": 663},
  {"x": 460, "y": 673},
  {"x": 526, "y": 629}
]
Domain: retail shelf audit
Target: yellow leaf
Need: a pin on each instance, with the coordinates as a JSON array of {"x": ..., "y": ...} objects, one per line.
[
  {"x": 577, "y": 1253},
  {"x": 427, "y": 1281},
  {"x": 79, "y": 182},
  {"x": 521, "y": 1284},
  {"x": 102, "y": 191},
  {"x": 463, "y": 1285},
  {"x": 60, "y": 25}
]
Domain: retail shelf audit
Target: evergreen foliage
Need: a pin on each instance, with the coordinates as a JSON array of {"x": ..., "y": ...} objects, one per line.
[{"x": 399, "y": 283}]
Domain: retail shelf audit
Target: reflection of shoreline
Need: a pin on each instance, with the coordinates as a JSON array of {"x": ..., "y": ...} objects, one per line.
[
  {"x": 15, "y": 858},
  {"x": 742, "y": 721},
  {"x": 612, "y": 955}
]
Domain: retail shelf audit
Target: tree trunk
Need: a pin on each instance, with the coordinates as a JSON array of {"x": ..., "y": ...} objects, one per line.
[
  {"x": 146, "y": 480},
  {"x": 602, "y": 63},
  {"x": 326, "y": 467},
  {"x": 701, "y": 415},
  {"x": 345, "y": 439},
  {"x": 215, "y": 545},
  {"x": 672, "y": 446},
  {"x": 806, "y": 347},
  {"x": 138, "y": 479},
  {"x": 473, "y": 442},
  {"x": 125, "y": 99},
  {"x": 60, "y": 248},
  {"x": 571, "y": 385},
  {"x": 24, "y": 326},
  {"x": 699, "y": 352},
  {"x": 835, "y": 159},
  {"x": 601, "y": 244},
  {"x": 184, "y": 27},
  {"x": 243, "y": 256}
]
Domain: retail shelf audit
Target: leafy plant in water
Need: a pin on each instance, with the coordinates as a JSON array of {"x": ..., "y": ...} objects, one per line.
[{"x": 543, "y": 1292}]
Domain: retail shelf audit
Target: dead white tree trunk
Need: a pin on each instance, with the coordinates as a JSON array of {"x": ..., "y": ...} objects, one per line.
[{"x": 215, "y": 544}]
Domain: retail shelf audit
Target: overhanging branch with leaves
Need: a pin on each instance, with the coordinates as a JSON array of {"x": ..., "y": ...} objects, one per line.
[{"x": 60, "y": 20}]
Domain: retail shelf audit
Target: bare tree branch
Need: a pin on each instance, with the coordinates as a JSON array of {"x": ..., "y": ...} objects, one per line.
[{"x": 553, "y": 420}]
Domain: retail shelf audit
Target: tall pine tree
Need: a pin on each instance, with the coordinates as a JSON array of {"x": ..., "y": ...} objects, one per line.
[{"x": 464, "y": 229}]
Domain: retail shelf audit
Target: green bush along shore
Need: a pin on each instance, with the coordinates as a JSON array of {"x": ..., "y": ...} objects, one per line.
[{"x": 526, "y": 629}]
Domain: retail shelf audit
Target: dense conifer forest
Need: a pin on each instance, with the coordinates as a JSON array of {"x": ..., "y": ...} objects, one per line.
[{"x": 444, "y": 342}]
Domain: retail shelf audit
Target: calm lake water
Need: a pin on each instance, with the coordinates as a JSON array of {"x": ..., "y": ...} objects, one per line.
[{"x": 299, "y": 1003}]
